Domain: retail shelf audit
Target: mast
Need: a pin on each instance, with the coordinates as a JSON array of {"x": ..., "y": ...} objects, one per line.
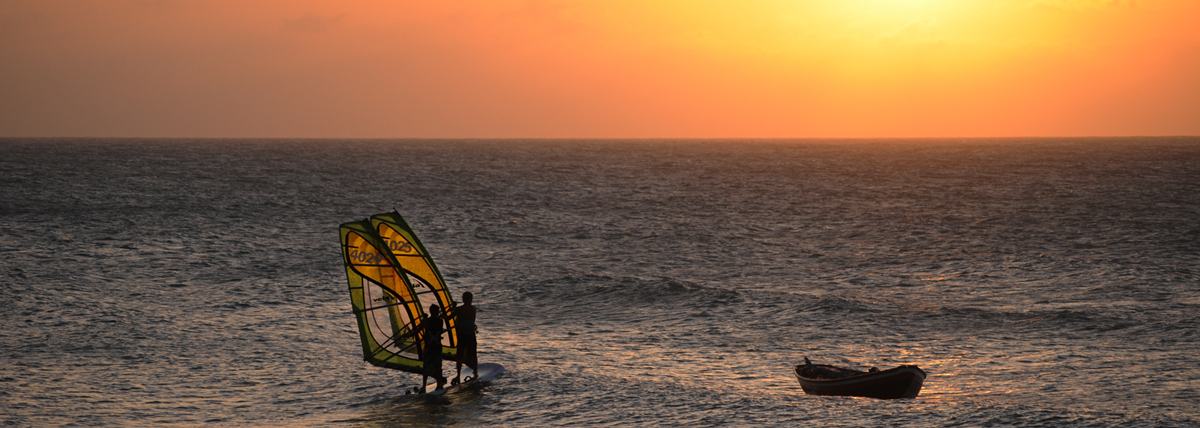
[
  {"x": 386, "y": 307},
  {"x": 419, "y": 270}
]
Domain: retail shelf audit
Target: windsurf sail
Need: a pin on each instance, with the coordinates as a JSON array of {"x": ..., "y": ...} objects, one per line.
[
  {"x": 387, "y": 309},
  {"x": 419, "y": 270}
]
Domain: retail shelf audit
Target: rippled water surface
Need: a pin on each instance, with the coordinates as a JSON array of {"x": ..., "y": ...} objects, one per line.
[{"x": 1038, "y": 282}]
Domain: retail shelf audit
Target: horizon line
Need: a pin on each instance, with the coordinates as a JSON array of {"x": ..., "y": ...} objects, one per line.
[{"x": 593, "y": 138}]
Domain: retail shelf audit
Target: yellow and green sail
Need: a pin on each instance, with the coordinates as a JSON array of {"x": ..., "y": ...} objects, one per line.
[
  {"x": 388, "y": 310},
  {"x": 418, "y": 268}
]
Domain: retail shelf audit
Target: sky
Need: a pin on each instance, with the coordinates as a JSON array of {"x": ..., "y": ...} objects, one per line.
[{"x": 599, "y": 68}]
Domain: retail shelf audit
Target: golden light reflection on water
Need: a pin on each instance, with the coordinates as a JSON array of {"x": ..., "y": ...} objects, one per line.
[
  {"x": 951, "y": 379},
  {"x": 741, "y": 372}
]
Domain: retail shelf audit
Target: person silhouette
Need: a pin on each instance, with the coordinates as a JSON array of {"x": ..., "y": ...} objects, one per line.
[
  {"x": 432, "y": 357},
  {"x": 464, "y": 320}
]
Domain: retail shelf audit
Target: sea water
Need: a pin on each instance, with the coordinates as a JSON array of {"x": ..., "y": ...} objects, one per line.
[{"x": 1044, "y": 282}]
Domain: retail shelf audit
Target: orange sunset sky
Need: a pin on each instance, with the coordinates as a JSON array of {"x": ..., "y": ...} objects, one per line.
[{"x": 611, "y": 68}]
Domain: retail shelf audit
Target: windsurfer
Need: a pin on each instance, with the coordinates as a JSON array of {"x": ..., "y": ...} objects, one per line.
[
  {"x": 433, "y": 346},
  {"x": 464, "y": 319}
]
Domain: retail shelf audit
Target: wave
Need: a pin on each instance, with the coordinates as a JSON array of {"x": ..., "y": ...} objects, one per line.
[{"x": 624, "y": 291}]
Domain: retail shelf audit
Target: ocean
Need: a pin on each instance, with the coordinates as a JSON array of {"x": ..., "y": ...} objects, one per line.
[{"x": 1039, "y": 282}]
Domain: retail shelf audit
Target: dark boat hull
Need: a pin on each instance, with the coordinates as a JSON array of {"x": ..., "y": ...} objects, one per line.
[{"x": 900, "y": 382}]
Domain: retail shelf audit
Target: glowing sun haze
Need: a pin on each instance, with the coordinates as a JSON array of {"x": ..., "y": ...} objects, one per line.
[{"x": 612, "y": 68}]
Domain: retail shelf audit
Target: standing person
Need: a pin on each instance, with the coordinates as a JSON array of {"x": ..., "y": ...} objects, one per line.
[
  {"x": 433, "y": 346},
  {"x": 464, "y": 319}
]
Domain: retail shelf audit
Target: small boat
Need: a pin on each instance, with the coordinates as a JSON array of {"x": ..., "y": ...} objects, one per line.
[{"x": 820, "y": 379}]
